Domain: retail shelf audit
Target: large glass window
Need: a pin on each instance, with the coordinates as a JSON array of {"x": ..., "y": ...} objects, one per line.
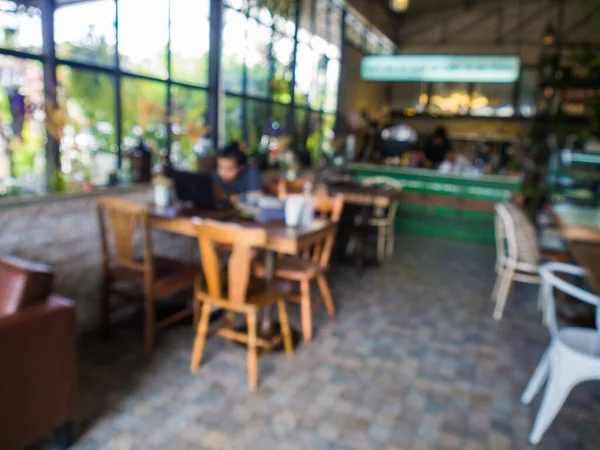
[
  {"x": 355, "y": 31},
  {"x": 279, "y": 120},
  {"x": 268, "y": 68},
  {"x": 314, "y": 139},
  {"x": 122, "y": 66},
  {"x": 256, "y": 121},
  {"x": 22, "y": 123},
  {"x": 258, "y": 59},
  {"x": 190, "y": 41},
  {"x": 143, "y": 115},
  {"x": 305, "y": 73},
  {"x": 301, "y": 126},
  {"x": 233, "y": 50},
  {"x": 233, "y": 119},
  {"x": 188, "y": 126},
  {"x": 283, "y": 52},
  {"x": 86, "y": 32},
  {"x": 88, "y": 144},
  {"x": 364, "y": 36},
  {"x": 317, "y": 87},
  {"x": 332, "y": 83},
  {"x": 144, "y": 35},
  {"x": 20, "y": 26}
]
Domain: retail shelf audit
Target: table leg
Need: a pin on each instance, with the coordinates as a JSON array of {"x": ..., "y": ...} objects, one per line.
[
  {"x": 361, "y": 254},
  {"x": 266, "y": 326}
]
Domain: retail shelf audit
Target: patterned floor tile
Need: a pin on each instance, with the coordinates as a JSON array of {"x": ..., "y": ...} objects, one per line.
[{"x": 413, "y": 360}]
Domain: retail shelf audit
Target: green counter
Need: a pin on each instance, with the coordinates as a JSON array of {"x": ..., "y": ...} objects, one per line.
[{"x": 445, "y": 205}]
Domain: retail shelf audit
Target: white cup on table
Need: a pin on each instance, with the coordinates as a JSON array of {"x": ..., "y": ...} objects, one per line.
[{"x": 293, "y": 211}]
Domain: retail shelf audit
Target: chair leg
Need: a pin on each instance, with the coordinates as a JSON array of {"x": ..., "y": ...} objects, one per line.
[
  {"x": 351, "y": 245},
  {"x": 63, "y": 436},
  {"x": 381, "y": 234},
  {"x": 200, "y": 340},
  {"x": 230, "y": 318},
  {"x": 252, "y": 353},
  {"x": 306, "y": 310},
  {"x": 537, "y": 380},
  {"x": 326, "y": 294},
  {"x": 557, "y": 390},
  {"x": 286, "y": 334},
  {"x": 149, "y": 322},
  {"x": 497, "y": 285},
  {"x": 196, "y": 307},
  {"x": 503, "y": 291},
  {"x": 105, "y": 308},
  {"x": 391, "y": 239}
]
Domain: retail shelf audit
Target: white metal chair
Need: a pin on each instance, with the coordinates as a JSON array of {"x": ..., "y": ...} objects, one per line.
[
  {"x": 385, "y": 220},
  {"x": 517, "y": 253},
  {"x": 573, "y": 355}
]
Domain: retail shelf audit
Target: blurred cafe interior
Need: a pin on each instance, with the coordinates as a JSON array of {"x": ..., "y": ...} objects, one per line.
[{"x": 300, "y": 224}]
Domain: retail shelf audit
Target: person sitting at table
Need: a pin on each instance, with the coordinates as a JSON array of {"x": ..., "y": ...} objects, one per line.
[{"x": 234, "y": 176}]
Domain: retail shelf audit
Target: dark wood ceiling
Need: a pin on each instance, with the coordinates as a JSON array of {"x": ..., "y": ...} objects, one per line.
[{"x": 420, "y": 7}]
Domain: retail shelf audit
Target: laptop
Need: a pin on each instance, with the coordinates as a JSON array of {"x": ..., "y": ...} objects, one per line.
[{"x": 195, "y": 188}]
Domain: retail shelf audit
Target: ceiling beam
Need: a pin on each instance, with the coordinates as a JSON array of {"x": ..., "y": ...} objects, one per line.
[
  {"x": 414, "y": 24},
  {"x": 535, "y": 43},
  {"x": 482, "y": 17},
  {"x": 583, "y": 21},
  {"x": 527, "y": 20}
]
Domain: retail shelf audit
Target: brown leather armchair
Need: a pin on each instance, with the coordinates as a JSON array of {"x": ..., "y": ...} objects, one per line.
[{"x": 38, "y": 357}]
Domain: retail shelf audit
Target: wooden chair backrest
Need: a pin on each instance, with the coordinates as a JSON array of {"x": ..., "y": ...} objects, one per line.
[
  {"x": 383, "y": 181},
  {"x": 241, "y": 240},
  {"x": 118, "y": 220},
  {"x": 330, "y": 208},
  {"x": 386, "y": 183},
  {"x": 286, "y": 187}
]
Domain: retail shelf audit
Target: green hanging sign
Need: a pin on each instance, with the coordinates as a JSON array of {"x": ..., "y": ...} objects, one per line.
[{"x": 442, "y": 68}]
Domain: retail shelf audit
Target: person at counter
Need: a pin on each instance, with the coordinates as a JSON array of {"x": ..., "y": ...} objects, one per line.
[
  {"x": 234, "y": 176},
  {"x": 437, "y": 148},
  {"x": 454, "y": 163}
]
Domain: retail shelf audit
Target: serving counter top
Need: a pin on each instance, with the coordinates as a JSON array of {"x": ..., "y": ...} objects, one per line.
[{"x": 446, "y": 205}]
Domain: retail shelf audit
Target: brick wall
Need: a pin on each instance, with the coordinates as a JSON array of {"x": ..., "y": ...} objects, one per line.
[{"x": 64, "y": 234}]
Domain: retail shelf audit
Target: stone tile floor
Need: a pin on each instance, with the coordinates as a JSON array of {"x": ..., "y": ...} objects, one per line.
[{"x": 413, "y": 361}]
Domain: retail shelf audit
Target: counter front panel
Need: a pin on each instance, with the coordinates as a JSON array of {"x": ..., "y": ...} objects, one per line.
[{"x": 445, "y": 205}]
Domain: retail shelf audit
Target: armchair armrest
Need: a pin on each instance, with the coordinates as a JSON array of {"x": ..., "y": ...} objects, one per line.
[{"x": 38, "y": 373}]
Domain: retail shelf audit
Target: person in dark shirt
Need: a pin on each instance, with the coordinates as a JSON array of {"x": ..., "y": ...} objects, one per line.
[
  {"x": 234, "y": 177},
  {"x": 437, "y": 148}
]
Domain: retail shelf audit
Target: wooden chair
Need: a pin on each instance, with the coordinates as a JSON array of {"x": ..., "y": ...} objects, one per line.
[
  {"x": 312, "y": 264},
  {"x": 286, "y": 187},
  {"x": 119, "y": 220},
  {"x": 242, "y": 294},
  {"x": 385, "y": 220}
]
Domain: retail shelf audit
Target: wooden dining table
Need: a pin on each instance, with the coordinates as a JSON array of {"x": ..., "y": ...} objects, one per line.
[
  {"x": 580, "y": 228},
  {"x": 577, "y": 223},
  {"x": 281, "y": 239},
  {"x": 588, "y": 256}
]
